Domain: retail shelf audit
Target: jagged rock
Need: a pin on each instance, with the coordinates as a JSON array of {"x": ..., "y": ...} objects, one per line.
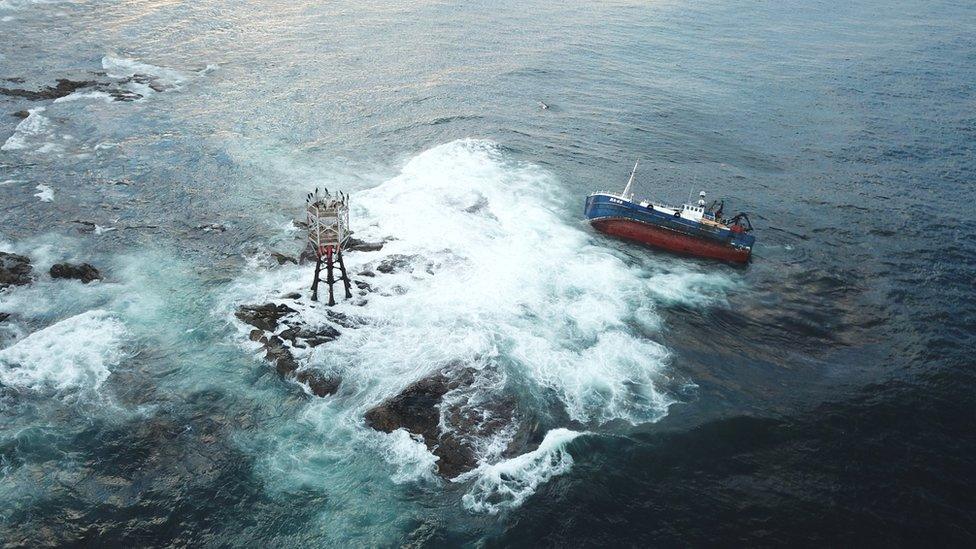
[
  {"x": 62, "y": 88},
  {"x": 123, "y": 96},
  {"x": 265, "y": 316},
  {"x": 313, "y": 338},
  {"x": 83, "y": 272},
  {"x": 15, "y": 270},
  {"x": 479, "y": 206},
  {"x": 308, "y": 255},
  {"x": 319, "y": 383},
  {"x": 365, "y": 287},
  {"x": 356, "y": 245},
  {"x": 418, "y": 409},
  {"x": 282, "y": 258},
  {"x": 370, "y": 274},
  {"x": 256, "y": 334},
  {"x": 414, "y": 409},
  {"x": 4, "y": 316},
  {"x": 344, "y": 320},
  {"x": 395, "y": 262},
  {"x": 280, "y": 356},
  {"x": 21, "y": 114}
]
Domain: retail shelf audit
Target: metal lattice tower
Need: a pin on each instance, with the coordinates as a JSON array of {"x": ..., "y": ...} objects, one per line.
[{"x": 328, "y": 231}]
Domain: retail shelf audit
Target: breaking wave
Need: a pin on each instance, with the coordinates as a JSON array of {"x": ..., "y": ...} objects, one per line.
[
  {"x": 36, "y": 124},
  {"x": 508, "y": 483},
  {"x": 75, "y": 353}
]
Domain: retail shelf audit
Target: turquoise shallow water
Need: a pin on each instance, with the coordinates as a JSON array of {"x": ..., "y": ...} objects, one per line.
[{"x": 820, "y": 395}]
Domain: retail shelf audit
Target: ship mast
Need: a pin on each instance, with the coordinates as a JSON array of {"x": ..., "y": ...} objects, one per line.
[{"x": 628, "y": 192}]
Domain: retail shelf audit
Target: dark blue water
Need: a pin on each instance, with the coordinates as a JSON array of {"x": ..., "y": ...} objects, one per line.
[{"x": 821, "y": 395}]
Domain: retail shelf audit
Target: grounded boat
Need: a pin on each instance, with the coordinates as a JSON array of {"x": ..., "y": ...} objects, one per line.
[{"x": 692, "y": 229}]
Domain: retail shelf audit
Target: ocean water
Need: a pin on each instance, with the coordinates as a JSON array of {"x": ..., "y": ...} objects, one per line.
[{"x": 821, "y": 395}]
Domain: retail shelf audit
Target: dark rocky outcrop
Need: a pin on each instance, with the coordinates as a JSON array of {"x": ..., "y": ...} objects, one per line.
[
  {"x": 308, "y": 255},
  {"x": 282, "y": 258},
  {"x": 414, "y": 409},
  {"x": 418, "y": 408},
  {"x": 21, "y": 114},
  {"x": 83, "y": 272},
  {"x": 300, "y": 336},
  {"x": 319, "y": 383},
  {"x": 267, "y": 319},
  {"x": 15, "y": 270},
  {"x": 395, "y": 263},
  {"x": 62, "y": 88},
  {"x": 265, "y": 316},
  {"x": 356, "y": 245}
]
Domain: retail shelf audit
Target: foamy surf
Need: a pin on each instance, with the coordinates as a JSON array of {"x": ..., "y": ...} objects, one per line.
[
  {"x": 75, "y": 353},
  {"x": 44, "y": 193},
  {"x": 29, "y": 129},
  {"x": 507, "y": 484}
]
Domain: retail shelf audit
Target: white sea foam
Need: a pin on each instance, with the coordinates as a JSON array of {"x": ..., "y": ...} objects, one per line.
[
  {"x": 410, "y": 457},
  {"x": 510, "y": 280},
  {"x": 123, "y": 68},
  {"x": 45, "y": 194},
  {"x": 83, "y": 96},
  {"x": 36, "y": 124},
  {"x": 75, "y": 353},
  {"x": 508, "y": 483}
]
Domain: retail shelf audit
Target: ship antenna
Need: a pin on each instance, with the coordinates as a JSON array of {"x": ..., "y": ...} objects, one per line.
[{"x": 628, "y": 193}]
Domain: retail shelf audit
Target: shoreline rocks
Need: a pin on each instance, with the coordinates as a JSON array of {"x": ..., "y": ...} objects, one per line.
[
  {"x": 64, "y": 87},
  {"x": 278, "y": 345}
]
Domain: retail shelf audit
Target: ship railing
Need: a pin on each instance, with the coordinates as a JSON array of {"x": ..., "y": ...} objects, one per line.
[{"x": 616, "y": 194}]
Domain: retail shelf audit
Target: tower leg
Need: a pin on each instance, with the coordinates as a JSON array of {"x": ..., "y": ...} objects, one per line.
[
  {"x": 315, "y": 280},
  {"x": 345, "y": 279},
  {"x": 330, "y": 279}
]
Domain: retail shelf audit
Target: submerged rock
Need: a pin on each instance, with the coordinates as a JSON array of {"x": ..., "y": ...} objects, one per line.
[
  {"x": 83, "y": 272},
  {"x": 21, "y": 114},
  {"x": 282, "y": 258},
  {"x": 62, "y": 88},
  {"x": 15, "y": 270},
  {"x": 396, "y": 262}
]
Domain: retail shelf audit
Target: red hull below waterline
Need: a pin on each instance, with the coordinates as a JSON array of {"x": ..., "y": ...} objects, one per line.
[{"x": 672, "y": 241}]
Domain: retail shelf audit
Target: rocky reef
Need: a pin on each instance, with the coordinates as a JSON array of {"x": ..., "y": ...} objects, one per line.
[
  {"x": 84, "y": 272},
  {"x": 15, "y": 270},
  {"x": 278, "y": 329}
]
